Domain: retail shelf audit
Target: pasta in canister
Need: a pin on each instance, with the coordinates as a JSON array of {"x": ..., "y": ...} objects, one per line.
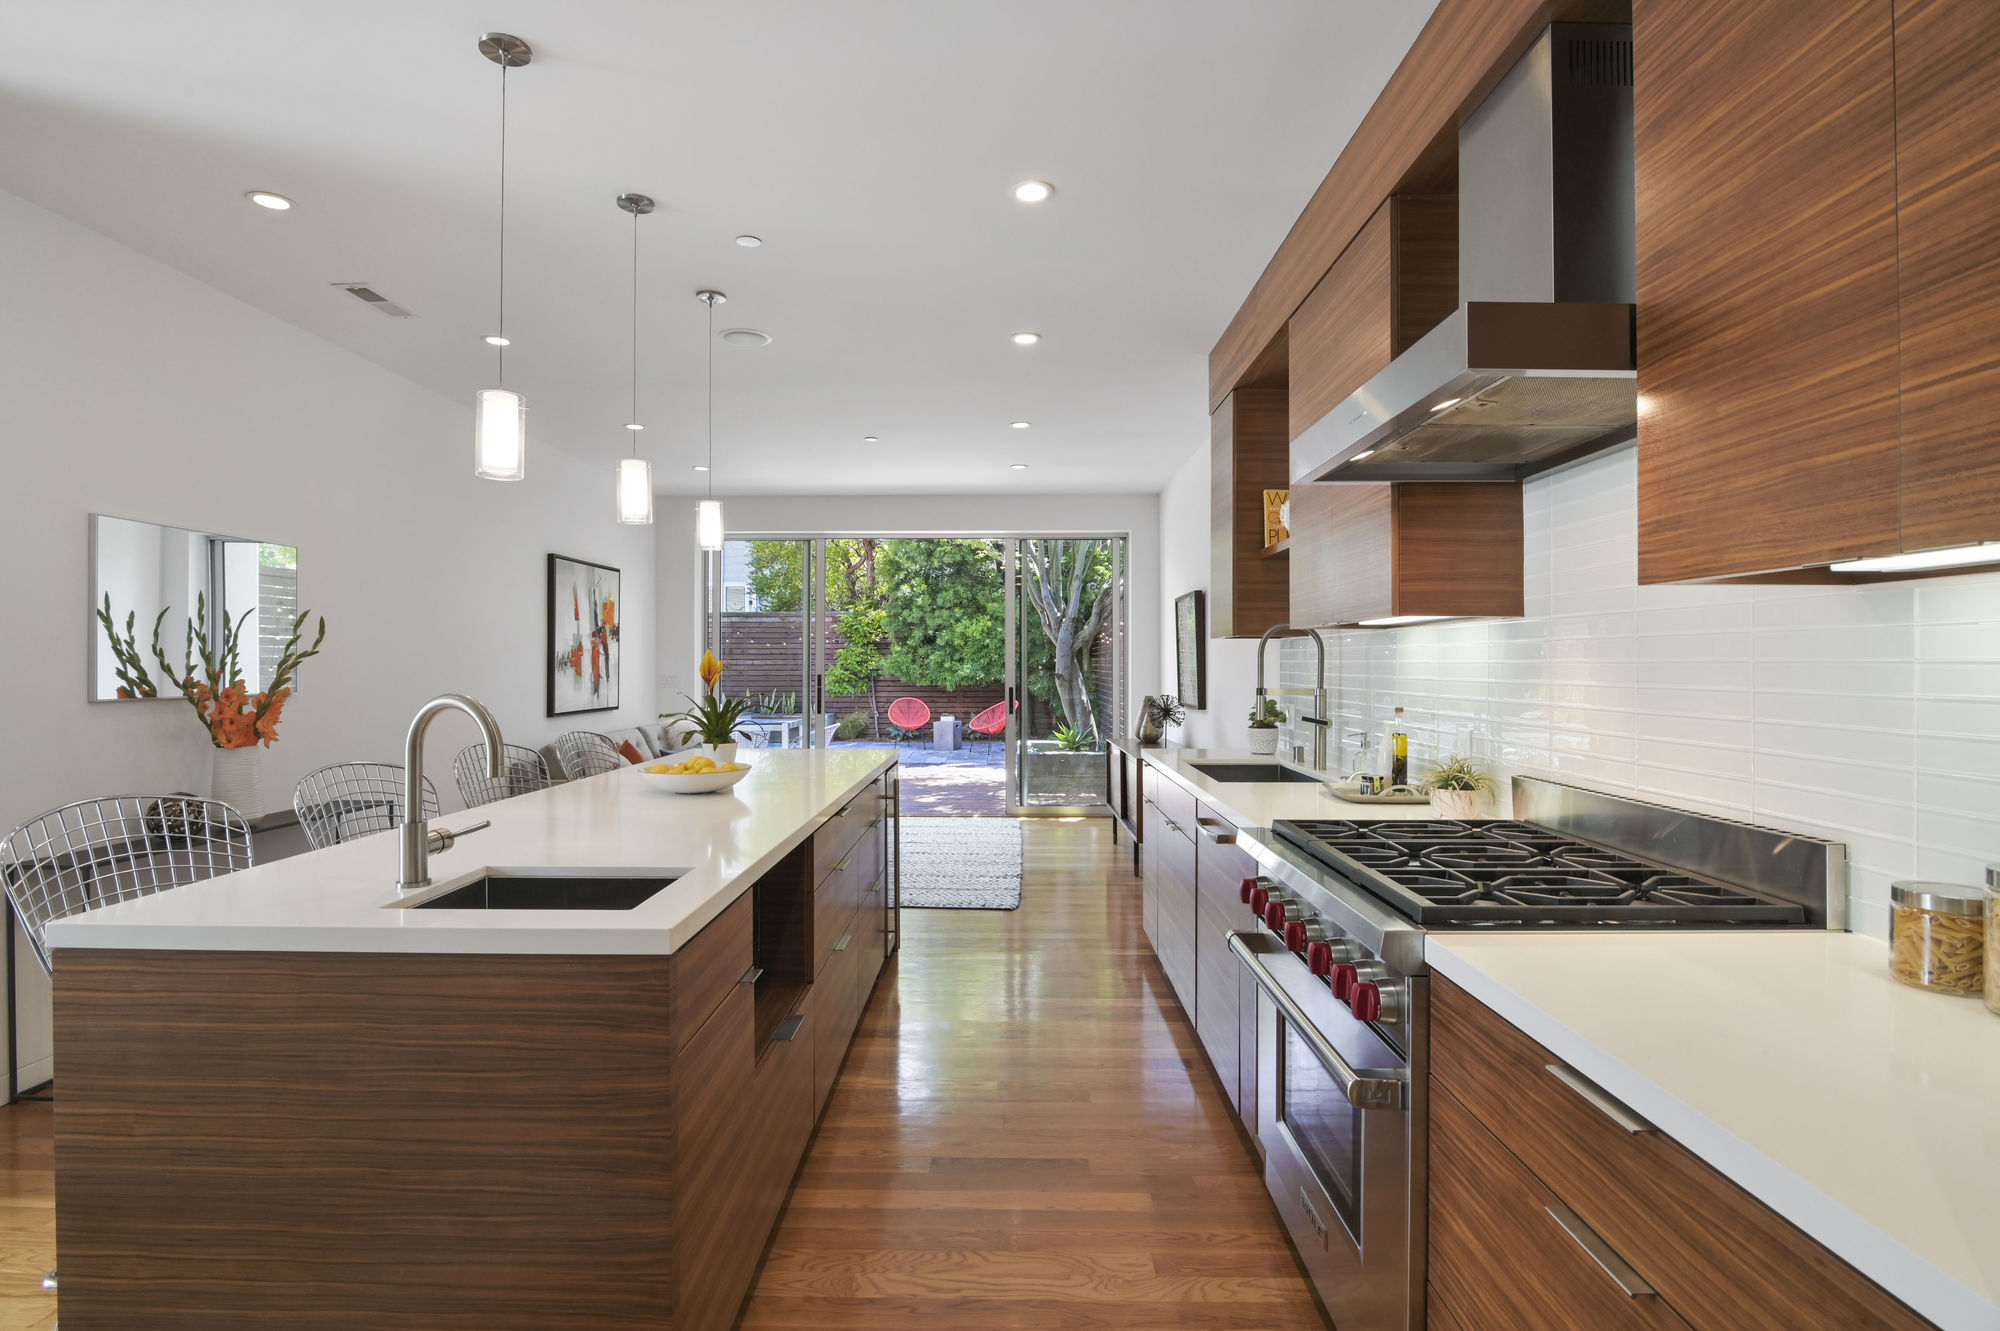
[{"x": 1937, "y": 936}]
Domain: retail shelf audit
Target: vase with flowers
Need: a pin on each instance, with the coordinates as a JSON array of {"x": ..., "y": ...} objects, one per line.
[
  {"x": 210, "y": 677},
  {"x": 713, "y": 719}
]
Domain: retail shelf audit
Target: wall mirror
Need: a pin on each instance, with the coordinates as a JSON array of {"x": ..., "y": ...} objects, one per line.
[{"x": 146, "y": 568}]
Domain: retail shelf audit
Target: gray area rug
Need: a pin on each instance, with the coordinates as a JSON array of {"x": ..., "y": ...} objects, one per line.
[{"x": 962, "y": 863}]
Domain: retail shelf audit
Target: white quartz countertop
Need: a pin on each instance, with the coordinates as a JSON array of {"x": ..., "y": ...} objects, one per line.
[
  {"x": 343, "y": 898},
  {"x": 1259, "y": 804},
  {"x": 1864, "y": 1110}
]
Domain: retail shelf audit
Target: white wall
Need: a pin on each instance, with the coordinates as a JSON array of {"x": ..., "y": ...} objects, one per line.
[
  {"x": 1870, "y": 715},
  {"x": 679, "y": 576},
  {"x": 1184, "y": 567},
  {"x": 128, "y": 388}
]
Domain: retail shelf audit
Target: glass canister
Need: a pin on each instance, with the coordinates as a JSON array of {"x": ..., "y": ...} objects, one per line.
[
  {"x": 1937, "y": 936},
  {"x": 1993, "y": 936}
]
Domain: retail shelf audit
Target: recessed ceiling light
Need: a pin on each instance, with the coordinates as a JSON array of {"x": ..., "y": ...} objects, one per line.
[
  {"x": 1022, "y": 425},
  {"x": 1364, "y": 453},
  {"x": 699, "y": 467},
  {"x": 263, "y": 198},
  {"x": 745, "y": 337},
  {"x": 749, "y": 242},
  {"x": 634, "y": 425},
  {"x": 497, "y": 341},
  {"x": 870, "y": 439},
  {"x": 1033, "y": 191},
  {"x": 1026, "y": 339},
  {"x": 1020, "y": 466}
]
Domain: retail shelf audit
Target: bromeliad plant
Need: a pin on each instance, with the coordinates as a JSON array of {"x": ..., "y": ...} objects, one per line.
[
  {"x": 713, "y": 718},
  {"x": 210, "y": 675}
]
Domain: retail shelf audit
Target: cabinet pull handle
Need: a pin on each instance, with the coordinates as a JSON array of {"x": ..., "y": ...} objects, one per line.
[
  {"x": 751, "y": 976},
  {"x": 875, "y": 886},
  {"x": 841, "y": 863},
  {"x": 840, "y": 943},
  {"x": 1598, "y": 1099},
  {"x": 788, "y": 1029},
  {"x": 1212, "y": 829},
  {"x": 1622, "y": 1275}
]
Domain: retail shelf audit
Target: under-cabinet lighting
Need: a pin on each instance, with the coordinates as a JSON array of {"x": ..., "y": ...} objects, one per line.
[
  {"x": 1362, "y": 455},
  {"x": 635, "y": 491},
  {"x": 1987, "y": 552},
  {"x": 708, "y": 524},
  {"x": 1448, "y": 402},
  {"x": 500, "y": 435},
  {"x": 1394, "y": 621}
]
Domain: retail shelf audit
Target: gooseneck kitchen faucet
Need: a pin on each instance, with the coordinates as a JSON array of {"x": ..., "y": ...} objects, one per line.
[
  {"x": 1318, "y": 721},
  {"x": 418, "y": 840}
]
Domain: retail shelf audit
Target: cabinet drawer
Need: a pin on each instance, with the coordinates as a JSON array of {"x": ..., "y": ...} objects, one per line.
[
  {"x": 1501, "y": 1257},
  {"x": 1215, "y": 1013},
  {"x": 838, "y": 834},
  {"x": 780, "y": 1123},
  {"x": 717, "y": 1233},
  {"x": 1723, "y": 1259},
  {"x": 871, "y": 932},
  {"x": 706, "y": 971},
  {"x": 831, "y": 1008},
  {"x": 1176, "y": 805},
  {"x": 840, "y": 894}
]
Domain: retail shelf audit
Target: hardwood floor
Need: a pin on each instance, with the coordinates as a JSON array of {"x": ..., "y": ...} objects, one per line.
[{"x": 1025, "y": 1135}]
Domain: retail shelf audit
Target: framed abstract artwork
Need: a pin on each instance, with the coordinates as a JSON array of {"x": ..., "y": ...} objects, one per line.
[
  {"x": 1191, "y": 649},
  {"x": 583, "y": 636}
]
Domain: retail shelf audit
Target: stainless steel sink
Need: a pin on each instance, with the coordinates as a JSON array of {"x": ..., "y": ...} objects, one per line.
[
  {"x": 1261, "y": 773},
  {"x": 508, "y": 890}
]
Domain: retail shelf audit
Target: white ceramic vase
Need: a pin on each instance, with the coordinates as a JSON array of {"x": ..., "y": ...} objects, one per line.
[
  {"x": 1263, "y": 739},
  {"x": 722, "y": 753},
  {"x": 1457, "y": 803},
  {"x": 239, "y": 780}
]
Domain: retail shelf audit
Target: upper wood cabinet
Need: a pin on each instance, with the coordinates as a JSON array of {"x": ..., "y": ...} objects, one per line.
[
  {"x": 1390, "y": 286},
  {"x": 1766, "y": 155},
  {"x": 1437, "y": 549},
  {"x": 1249, "y": 453},
  {"x": 1819, "y": 282},
  {"x": 1948, "y": 234}
]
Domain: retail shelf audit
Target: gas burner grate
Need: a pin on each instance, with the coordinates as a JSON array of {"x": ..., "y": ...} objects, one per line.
[{"x": 1440, "y": 871}]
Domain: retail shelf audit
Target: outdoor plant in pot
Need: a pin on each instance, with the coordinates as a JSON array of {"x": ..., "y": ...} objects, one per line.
[
  {"x": 713, "y": 719},
  {"x": 1264, "y": 726},
  {"x": 1457, "y": 788},
  {"x": 1069, "y": 739}
]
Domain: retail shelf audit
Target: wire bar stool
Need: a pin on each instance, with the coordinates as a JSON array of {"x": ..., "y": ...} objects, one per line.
[
  {"x": 587, "y": 753},
  {"x": 525, "y": 771},
  {"x": 343, "y": 801}
]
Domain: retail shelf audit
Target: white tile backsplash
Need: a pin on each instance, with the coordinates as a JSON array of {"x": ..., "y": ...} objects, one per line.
[{"x": 1870, "y": 715}]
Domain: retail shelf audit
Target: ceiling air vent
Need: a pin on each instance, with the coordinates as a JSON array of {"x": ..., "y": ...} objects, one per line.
[{"x": 374, "y": 299}]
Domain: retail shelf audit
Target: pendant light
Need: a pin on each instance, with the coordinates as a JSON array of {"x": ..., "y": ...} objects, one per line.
[
  {"x": 499, "y": 420},
  {"x": 708, "y": 513},
  {"x": 635, "y": 474}
]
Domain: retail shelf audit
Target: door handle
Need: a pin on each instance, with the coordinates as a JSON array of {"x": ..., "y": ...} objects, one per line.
[
  {"x": 1212, "y": 829},
  {"x": 788, "y": 1029},
  {"x": 1599, "y": 1100},
  {"x": 1622, "y": 1275},
  {"x": 751, "y": 976},
  {"x": 1364, "y": 1088}
]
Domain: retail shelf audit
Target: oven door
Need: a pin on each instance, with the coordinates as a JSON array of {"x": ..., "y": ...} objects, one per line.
[{"x": 1334, "y": 1118}]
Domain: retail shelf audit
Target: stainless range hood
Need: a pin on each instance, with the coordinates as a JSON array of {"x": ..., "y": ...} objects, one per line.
[{"x": 1538, "y": 364}]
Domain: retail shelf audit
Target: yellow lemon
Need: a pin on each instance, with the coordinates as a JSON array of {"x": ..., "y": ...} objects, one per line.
[{"x": 658, "y": 769}]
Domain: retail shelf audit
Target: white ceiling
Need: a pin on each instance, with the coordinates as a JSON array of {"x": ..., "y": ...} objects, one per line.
[{"x": 871, "y": 143}]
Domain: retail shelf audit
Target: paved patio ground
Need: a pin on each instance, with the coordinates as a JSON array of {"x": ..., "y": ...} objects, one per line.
[{"x": 966, "y": 782}]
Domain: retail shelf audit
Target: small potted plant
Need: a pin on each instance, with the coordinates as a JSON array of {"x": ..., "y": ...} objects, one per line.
[
  {"x": 1264, "y": 726},
  {"x": 1457, "y": 788},
  {"x": 714, "y": 719}
]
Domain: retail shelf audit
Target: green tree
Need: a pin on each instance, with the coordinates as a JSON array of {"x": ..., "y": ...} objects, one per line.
[
  {"x": 945, "y": 613},
  {"x": 857, "y": 663},
  {"x": 777, "y": 574},
  {"x": 1068, "y": 582}
]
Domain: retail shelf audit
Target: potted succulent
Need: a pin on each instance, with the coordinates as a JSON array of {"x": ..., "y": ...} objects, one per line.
[
  {"x": 1264, "y": 726},
  {"x": 714, "y": 719},
  {"x": 1457, "y": 788}
]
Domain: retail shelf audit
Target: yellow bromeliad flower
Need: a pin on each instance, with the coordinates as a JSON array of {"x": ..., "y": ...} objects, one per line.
[{"x": 711, "y": 670}]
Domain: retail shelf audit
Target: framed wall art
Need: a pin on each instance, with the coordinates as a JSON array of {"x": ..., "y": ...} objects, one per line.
[{"x": 583, "y": 636}]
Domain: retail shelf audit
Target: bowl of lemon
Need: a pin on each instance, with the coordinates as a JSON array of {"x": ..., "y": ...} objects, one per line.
[{"x": 692, "y": 774}]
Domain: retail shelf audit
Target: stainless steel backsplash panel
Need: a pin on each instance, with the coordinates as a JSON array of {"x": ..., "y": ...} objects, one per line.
[{"x": 1789, "y": 866}]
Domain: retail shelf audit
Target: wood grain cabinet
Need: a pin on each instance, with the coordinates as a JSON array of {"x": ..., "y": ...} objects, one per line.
[
  {"x": 1818, "y": 281},
  {"x": 1513, "y": 1137},
  {"x": 1447, "y": 549},
  {"x": 1392, "y": 284},
  {"x": 1170, "y": 863},
  {"x": 1249, "y": 452},
  {"x": 1220, "y": 868}
]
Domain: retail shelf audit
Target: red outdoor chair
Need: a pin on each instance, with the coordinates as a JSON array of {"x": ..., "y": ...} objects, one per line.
[
  {"x": 989, "y": 724},
  {"x": 909, "y": 715}
]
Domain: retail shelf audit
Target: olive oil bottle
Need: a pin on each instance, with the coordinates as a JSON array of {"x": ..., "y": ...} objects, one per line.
[{"x": 1399, "y": 752}]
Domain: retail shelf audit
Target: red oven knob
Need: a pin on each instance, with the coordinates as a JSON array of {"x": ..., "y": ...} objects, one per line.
[
  {"x": 1319, "y": 958},
  {"x": 1274, "y": 915},
  {"x": 1244, "y": 890},
  {"x": 1344, "y": 977},
  {"x": 1295, "y": 936},
  {"x": 1259, "y": 898},
  {"x": 1366, "y": 1001}
]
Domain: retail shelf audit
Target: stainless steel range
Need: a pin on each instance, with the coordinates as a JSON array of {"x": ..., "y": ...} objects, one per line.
[{"x": 1333, "y": 941}]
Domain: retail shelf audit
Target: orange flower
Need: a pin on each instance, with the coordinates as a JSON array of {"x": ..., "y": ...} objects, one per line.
[{"x": 711, "y": 670}]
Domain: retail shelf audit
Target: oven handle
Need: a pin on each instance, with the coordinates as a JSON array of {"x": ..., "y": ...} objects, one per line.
[{"x": 1364, "y": 1089}]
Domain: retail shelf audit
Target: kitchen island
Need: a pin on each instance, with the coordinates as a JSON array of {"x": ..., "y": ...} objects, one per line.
[{"x": 294, "y": 1095}]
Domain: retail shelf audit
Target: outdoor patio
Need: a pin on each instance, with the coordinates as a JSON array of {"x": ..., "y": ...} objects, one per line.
[{"x": 963, "y": 782}]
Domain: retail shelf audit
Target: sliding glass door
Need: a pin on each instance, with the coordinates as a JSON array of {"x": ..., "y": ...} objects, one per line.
[
  {"x": 767, "y": 623},
  {"x": 1065, "y": 617}
]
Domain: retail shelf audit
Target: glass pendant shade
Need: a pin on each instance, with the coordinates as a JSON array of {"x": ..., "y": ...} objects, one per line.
[
  {"x": 635, "y": 491},
  {"x": 499, "y": 435},
  {"x": 708, "y": 524}
]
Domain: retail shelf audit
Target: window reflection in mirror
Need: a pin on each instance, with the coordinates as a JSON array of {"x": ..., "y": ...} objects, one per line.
[{"x": 145, "y": 568}]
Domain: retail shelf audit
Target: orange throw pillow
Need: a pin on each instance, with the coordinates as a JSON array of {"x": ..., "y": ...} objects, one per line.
[{"x": 631, "y": 751}]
